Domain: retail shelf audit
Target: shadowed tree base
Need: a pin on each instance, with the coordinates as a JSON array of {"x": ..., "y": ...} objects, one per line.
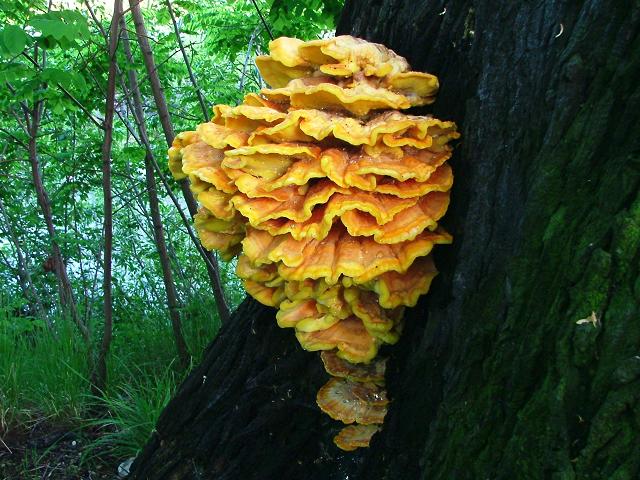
[
  {"x": 495, "y": 377},
  {"x": 252, "y": 396}
]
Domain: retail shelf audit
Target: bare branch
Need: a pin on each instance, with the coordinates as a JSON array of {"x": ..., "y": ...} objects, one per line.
[
  {"x": 14, "y": 138},
  {"x": 247, "y": 57},
  {"x": 262, "y": 18},
  {"x": 203, "y": 104}
]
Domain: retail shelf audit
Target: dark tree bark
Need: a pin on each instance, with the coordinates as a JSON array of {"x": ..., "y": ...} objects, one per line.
[{"x": 495, "y": 375}]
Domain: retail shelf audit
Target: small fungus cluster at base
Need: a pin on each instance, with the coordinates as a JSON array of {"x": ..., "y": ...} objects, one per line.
[{"x": 331, "y": 198}]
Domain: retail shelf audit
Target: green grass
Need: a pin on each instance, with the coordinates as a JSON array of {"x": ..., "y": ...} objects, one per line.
[
  {"x": 132, "y": 410},
  {"x": 43, "y": 375},
  {"x": 39, "y": 374}
]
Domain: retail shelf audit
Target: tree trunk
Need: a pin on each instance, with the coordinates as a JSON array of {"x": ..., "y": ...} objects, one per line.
[
  {"x": 165, "y": 120},
  {"x": 496, "y": 376},
  {"x": 26, "y": 282},
  {"x": 154, "y": 208},
  {"x": 99, "y": 375},
  {"x": 65, "y": 290}
]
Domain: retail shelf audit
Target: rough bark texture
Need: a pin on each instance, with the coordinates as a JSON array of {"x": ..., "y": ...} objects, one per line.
[{"x": 494, "y": 376}]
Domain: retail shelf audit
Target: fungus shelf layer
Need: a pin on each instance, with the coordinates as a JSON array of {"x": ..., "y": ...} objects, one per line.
[{"x": 331, "y": 196}]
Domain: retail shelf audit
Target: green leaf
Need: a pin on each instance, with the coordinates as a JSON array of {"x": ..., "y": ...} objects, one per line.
[
  {"x": 79, "y": 81},
  {"x": 56, "y": 75},
  {"x": 14, "y": 39},
  {"x": 78, "y": 21},
  {"x": 162, "y": 15},
  {"x": 12, "y": 72},
  {"x": 51, "y": 28},
  {"x": 57, "y": 107},
  {"x": 133, "y": 152},
  {"x": 65, "y": 26}
]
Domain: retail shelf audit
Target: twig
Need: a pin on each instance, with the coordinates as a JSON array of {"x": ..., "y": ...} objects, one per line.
[
  {"x": 167, "y": 127},
  {"x": 203, "y": 103},
  {"x": 247, "y": 56},
  {"x": 14, "y": 138},
  {"x": 68, "y": 94},
  {"x": 262, "y": 18},
  {"x": 99, "y": 375}
]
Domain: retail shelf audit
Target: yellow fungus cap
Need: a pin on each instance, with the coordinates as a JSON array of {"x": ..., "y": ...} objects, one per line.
[{"x": 332, "y": 198}]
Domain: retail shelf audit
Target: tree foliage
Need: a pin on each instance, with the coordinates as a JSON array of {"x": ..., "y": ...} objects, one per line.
[{"x": 54, "y": 61}]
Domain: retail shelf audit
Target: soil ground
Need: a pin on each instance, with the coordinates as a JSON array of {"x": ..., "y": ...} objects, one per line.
[{"x": 49, "y": 452}]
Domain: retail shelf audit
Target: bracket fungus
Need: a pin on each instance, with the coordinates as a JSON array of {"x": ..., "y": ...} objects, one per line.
[{"x": 331, "y": 198}]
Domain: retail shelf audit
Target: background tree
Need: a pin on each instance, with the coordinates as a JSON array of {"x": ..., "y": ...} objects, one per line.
[
  {"x": 523, "y": 360},
  {"x": 53, "y": 311},
  {"x": 99, "y": 375}
]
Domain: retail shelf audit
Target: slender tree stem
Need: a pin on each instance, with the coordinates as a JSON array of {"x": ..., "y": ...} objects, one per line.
[
  {"x": 210, "y": 260},
  {"x": 203, "y": 104},
  {"x": 165, "y": 120},
  {"x": 247, "y": 56},
  {"x": 154, "y": 207},
  {"x": 65, "y": 291},
  {"x": 264, "y": 22},
  {"x": 26, "y": 282},
  {"x": 100, "y": 372},
  {"x": 154, "y": 79}
]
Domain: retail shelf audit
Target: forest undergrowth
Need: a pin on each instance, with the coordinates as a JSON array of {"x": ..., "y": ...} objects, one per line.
[
  {"x": 45, "y": 398},
  {"x": 106, "y": 297}
]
